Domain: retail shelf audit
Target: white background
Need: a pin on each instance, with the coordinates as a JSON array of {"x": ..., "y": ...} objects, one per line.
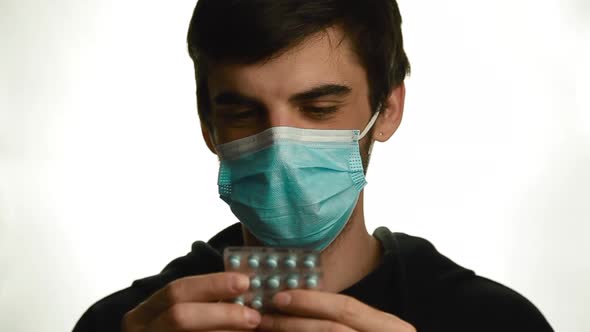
[{"x": 104, "y": 177}]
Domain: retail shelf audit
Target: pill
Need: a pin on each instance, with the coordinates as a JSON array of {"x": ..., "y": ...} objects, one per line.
[
  {"x": 255, "y": 283},
  {"x": 239, "y": 300},
  {"x": 311, "y": 282},
  {"x": 271, "y": 261},
  {"x": 234, "y": 261},
  {"x": 291, "y": 262},
  {"x": 292, "y": 282},
  {"x": 273, "y": 282},
  {"x": 253, "y": 262},
  {"x": 256, "y": 302},
  {"x": 309, "y": 262}
]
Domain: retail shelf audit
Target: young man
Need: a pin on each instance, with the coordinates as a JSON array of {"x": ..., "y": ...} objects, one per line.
[{"x": 291, "y": 95}]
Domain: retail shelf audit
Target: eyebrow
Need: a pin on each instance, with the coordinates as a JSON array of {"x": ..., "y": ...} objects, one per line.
[
  {"x": 324, "y": 90},
  {"x": 233, "y": 98}
]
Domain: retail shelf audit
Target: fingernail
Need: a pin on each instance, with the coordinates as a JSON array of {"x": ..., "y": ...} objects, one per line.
[
  {"x": 252, "y": 316},
  {"x": 282, "y": 299},
  {"x": 241, "y": 283}
]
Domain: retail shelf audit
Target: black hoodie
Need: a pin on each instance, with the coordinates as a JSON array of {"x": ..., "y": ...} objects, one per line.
[{"x": 413, "y": 282}]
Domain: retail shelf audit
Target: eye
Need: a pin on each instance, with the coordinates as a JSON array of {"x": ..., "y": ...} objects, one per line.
[
  {"x": 243, "y": 114},
  {"x": 239, "y": 117},
  {"x": 238, "y": 114},
  {"x": 319, "y": 112}
]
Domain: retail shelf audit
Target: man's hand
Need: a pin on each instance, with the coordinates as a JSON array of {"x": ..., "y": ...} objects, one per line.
[
  {"x": 306, "y": 310},
  {"x": 192, "y": 304}
]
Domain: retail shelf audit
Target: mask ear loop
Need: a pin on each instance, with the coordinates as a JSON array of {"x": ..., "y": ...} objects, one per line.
[
  {"x": 370, "y": 124},
  {"x": 367, "y": 128}
]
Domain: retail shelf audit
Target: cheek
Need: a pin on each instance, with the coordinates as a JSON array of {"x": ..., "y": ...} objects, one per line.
[{"x": 225, "y": 135}]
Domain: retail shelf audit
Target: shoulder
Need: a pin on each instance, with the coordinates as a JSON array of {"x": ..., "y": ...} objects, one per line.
[
  {"x": 443, "y": 295},
  {"x": 484, "y": 305}
]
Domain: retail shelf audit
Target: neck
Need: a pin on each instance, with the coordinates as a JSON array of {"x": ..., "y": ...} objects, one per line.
[{"x": 352, "y": 255}]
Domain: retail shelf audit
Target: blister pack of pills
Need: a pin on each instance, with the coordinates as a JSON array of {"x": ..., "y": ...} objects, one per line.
[{"x": 272, "y": 270}]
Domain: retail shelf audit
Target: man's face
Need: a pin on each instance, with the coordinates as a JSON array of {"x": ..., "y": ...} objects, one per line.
[{"x": 318, "y": 84}]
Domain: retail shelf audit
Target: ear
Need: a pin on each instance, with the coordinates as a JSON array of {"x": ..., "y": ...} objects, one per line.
[
  {"x": 391, "y": 114},
  {"x": 208, "y": 137}
]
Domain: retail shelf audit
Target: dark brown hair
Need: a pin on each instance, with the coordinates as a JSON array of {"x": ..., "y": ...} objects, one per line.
[{"x": 250, "y": 31}]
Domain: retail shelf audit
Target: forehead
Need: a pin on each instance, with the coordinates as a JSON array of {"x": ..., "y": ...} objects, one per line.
[{"x": 325, "y": 57}]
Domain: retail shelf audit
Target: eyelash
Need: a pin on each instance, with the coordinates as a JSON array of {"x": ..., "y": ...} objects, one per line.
[
  {"x": 244, "y": 114},
  {"x": 239, "y": 116},
  {"x": 320, "y": 112}
]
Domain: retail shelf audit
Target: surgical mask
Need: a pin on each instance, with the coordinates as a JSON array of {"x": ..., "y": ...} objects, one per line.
[{"x": 293, "y": 187}]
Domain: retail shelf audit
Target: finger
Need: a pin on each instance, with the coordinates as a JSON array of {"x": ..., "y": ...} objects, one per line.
[
  {"x": 204, "y": 288},
  {"x": 205, "y": 317},
  {"x": 280, "y": 323},
  {"x": 340, "y": 308}
]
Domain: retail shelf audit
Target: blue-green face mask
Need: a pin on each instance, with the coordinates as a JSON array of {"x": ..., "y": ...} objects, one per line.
[{"x": 293, "y": 187}]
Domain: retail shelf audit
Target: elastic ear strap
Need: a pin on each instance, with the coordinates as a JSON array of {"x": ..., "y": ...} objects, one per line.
[{"x": 370, "y": 124}]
